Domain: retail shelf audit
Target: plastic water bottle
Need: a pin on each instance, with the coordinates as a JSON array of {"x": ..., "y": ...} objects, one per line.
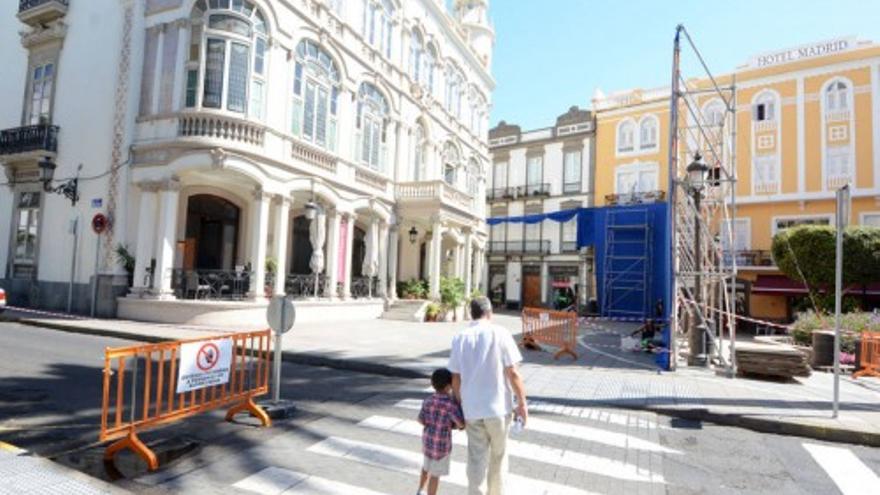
[{"x": 518, "y": 425}]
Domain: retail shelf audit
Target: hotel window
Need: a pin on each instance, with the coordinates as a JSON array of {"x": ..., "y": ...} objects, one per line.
[
  {"x": 233, "y": 70},
  {"x": 42, "y": 78},
  {"x": 638, "y": 178},
  {"x": 27, "y": 232},
  {"x": 837, "y": 97},
  {"x": 764, "y": 109},
  {"x": 316, "y": 87},
  {"x": 377, "y": 27},
  {"x": 765, "y": 173},
  {"x": 534, "y": 171},
  {"x": 648, "y": 133},
  {"x": 625, "y": 136},
  {"x": 714, "y": 114},
  {"x": 571, "y": 172},
  {"x": 838, "y": 163},
  {"x": 371, "y": 124},
  {"x": 781, "y": 224}
]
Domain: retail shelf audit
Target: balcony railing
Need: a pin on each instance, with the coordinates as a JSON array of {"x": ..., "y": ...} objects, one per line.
[
  {"x": 519, "y": 247},
  {"x": 536, "y": 190},
  {"x": 571, "y": 187},
  {"x": 837, "y": 181},
  {"x": 753, "y": 257},
  {"x": 41, "y": 137},
  {"x": 211, "y": 284},
  {"x": 220, "y": 127},
  {"x": 634, "y": 198},
  {"x": 434, "y": 190},
  {"x": 41, "y": 11},
  {"x": 497, "y": 193},
  {"x": 364, "y": 287},
  {"x": 569, "y": 246},
  {"x": 303, "y": 285}
]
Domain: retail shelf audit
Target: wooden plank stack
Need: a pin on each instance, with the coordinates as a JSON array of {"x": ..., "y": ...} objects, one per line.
[{"x": 778, "y": 361}]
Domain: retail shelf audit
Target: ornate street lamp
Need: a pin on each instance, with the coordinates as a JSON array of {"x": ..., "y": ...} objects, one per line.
[
  {"x": 68, "y": 189},
  {"x": 695, "y": 183},
  {"x": 413, "y": 235},
  {"x": 311, "y": 209}
]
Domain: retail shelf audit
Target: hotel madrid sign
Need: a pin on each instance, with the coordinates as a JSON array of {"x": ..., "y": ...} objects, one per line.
[{"x": 803, "y": 52}]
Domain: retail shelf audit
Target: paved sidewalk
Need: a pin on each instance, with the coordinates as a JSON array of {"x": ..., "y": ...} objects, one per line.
[
  {"x": 602, "y": 376},
  {"x": 24, "y": 474}
]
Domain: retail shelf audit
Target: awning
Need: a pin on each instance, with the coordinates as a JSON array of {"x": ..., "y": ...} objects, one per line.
[{"x": 784, "y": 286}]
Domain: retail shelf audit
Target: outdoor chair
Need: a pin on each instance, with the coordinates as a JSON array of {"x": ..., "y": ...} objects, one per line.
[{"x": 194, "y": 287}]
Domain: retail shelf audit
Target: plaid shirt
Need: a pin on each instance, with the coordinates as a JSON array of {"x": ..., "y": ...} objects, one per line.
[{"x": 439, "y": 414}]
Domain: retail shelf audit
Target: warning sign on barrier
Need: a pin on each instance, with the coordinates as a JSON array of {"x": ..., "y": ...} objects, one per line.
[{"x": 204, "y": 364}]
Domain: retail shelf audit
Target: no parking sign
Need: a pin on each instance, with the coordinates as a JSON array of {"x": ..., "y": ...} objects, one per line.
[{"x": 204, "y": 364}]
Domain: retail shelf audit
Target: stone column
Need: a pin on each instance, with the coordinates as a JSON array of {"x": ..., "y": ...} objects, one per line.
[
  {"x": 436, "y": 258},
  {"x": 146, "y": 239},
  {"x": 259, "y": 224},
  {"x": 167, "y": 239},
  {"x": 545, "y": 274},
  {"x": 468, "y": 263},
  {"x": 349, "y": 243},
  {"x": 383, "y": 260},
  {"x": 282, "y": 228},
  {"x": 334, "y": 220},
  {"x": 393, "y": 253}
]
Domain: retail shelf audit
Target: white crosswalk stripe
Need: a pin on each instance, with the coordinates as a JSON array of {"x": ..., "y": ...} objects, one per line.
[
  {"x": 274, "y": 480},
  {"x": 409, "y": 462},
  {"x": 530, "y": 451},
  {"x": 849, "y": 473}
]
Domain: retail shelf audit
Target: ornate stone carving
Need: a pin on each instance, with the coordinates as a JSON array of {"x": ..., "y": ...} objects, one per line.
[
  {"x": 53, "y": 32},
  {"x": 218, "y": 158}
]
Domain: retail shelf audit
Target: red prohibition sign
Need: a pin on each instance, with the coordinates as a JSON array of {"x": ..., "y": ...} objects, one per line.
[{"x": 208, "y": 356}]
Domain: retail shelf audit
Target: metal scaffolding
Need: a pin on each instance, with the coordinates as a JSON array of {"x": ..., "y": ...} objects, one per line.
[{"x": 702, "y": 232}]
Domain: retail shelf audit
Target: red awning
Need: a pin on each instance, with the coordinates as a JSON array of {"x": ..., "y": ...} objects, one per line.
[{"x": 784, "y": 286}]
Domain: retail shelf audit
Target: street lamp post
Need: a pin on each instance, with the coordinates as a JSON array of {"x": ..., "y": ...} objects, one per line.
[
  {"x": 695, "y": 182},
  {"x": 69, "y": 189}
]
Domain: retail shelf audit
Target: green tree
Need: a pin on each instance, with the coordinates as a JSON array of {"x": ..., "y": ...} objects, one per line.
[{"x": 451, "y": 292}]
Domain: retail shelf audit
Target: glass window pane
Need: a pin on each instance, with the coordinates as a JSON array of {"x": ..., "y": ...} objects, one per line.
[
  {"x": 192, "y": 80},
  {"x": 260, "y": 56},
  {"x": 236, "y": 100},
  {"x": 296, "y": 126},
  {"x": 229, "y": 23},
  {"x": 256, "y": 105},
  {"x": 309, "y": 111},
  {"x": 365, "y": 145},
  {"x": 215, "y": 58},
  {"x": 374, "y": 151},
  {"x": 321, "y": 117},
  {"x": 297, "y": 79}
]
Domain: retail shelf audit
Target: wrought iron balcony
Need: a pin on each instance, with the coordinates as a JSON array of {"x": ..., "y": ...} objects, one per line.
[
  {"x": 497, "y": 193},
  {"x": 40, "y": 138},
  {"x": 634, "y": 198},
  {"x": 35, "y": 12},
  {"x": 754, "y": 258},
  {"x": 536, "y": 190}
]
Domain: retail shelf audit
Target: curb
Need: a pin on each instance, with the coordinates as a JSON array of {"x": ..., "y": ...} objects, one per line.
[{"x": 760, "y": 425}]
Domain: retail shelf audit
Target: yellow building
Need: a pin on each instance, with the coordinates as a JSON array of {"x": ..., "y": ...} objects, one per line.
[{"x": 807, "y": 121}]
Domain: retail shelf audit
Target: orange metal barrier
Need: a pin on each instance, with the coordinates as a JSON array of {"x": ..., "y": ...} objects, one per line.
[
  {"x": 555, "y": 328},
  {"x": 870, "y": 355},
  {"x": 132, "y": 404}
]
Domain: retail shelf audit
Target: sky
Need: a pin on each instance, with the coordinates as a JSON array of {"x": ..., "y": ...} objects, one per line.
[{"x": 552, "y": 54}]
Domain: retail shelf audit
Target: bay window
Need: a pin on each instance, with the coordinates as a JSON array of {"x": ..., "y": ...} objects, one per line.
[
  {"x": 316, "y": 88},
  {"x": 371, "y": 127},
  {"x": 226, "y": 69}
]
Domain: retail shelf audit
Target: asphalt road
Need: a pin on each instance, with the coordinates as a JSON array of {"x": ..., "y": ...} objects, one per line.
[{"x": 355, "y": 430}]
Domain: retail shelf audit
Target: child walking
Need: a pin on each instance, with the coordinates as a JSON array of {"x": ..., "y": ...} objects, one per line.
[{"x": 439, "y": 414}]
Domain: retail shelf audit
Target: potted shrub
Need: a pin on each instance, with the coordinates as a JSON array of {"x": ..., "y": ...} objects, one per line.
[
  {"x": 414, "y": 289},
  {"x": 452, "y": 294},
  {"x": 126, "y": 259},
  {"x": 432, "y": 312}
]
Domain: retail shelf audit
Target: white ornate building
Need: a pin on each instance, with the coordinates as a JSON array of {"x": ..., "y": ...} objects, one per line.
[{"x": 344, "y": 141}]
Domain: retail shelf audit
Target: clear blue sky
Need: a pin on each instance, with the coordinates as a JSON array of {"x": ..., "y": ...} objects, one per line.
[{"x": 552, "y": 54}]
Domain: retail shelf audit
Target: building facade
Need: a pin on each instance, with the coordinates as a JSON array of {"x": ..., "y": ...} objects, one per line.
[
  {"x": 540, "y": 171},
  {"x": 243, "y": 148},
  {"x": 807, "y": 122}
]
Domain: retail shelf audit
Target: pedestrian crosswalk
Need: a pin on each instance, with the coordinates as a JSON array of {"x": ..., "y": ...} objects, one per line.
[
  {"x": 850, "y": 474},
  {"x": 560, "y": 453}
]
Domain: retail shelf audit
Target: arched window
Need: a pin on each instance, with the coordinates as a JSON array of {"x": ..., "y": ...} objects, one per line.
[
  {"x": 648, "y": 133},
  {"x": 713, "y": 113},
  {"x": 625, "y": 136},
  {"x": 416, "y": 55},
  {"x": 428, "y": 72},
  {"x": 451, "y": 162},
  {"x": 836, "y": 97},
  {"x": 764, "y": 109},
  {"x": 316, "y": 87},
  {"x": 227, "y": 57},
  {"x": 419, "y": 153},
  {"x": 377, "y": 24},
  {"x": 454, "y": 88},
  {"x": 371, "y": 124},
  {"x": 477, "y": 109}
]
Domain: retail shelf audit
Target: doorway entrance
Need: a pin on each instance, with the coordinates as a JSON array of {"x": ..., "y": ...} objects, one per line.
[
  {"x": 212, "y": 225},
  {"x": 531, "y": 287}
]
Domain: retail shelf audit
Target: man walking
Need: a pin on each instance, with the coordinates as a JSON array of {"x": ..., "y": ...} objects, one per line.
[{"x": 483, "y": 363}]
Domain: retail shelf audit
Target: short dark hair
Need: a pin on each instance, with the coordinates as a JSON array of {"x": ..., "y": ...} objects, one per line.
[
  {"x": 441, "y": 378},
  {"x": 480, "y": 307}
]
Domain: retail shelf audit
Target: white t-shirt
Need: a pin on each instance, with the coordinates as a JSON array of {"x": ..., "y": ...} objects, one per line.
[{"x": 480, "y": 353}]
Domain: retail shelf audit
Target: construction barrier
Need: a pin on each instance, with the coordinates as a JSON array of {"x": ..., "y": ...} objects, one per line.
[
  {"x": 555, "y": 328},
  {"x": 870, "y": 362},
  {"x": 155, "y": 384}
]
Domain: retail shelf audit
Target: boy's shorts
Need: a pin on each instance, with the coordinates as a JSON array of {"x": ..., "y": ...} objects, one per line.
[{"x": 436, "y": 467}]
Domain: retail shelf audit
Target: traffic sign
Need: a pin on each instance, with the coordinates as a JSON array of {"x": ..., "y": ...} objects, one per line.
[
  {"x": 281, "y": 314},
  {"x": 100, "y": 222}
]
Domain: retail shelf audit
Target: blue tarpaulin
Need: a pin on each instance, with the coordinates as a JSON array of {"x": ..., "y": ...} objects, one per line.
[{"x": 592, "y": 231}]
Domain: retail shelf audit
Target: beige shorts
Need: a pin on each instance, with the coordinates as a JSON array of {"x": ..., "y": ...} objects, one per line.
[{"x": 436, "y": 467}]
